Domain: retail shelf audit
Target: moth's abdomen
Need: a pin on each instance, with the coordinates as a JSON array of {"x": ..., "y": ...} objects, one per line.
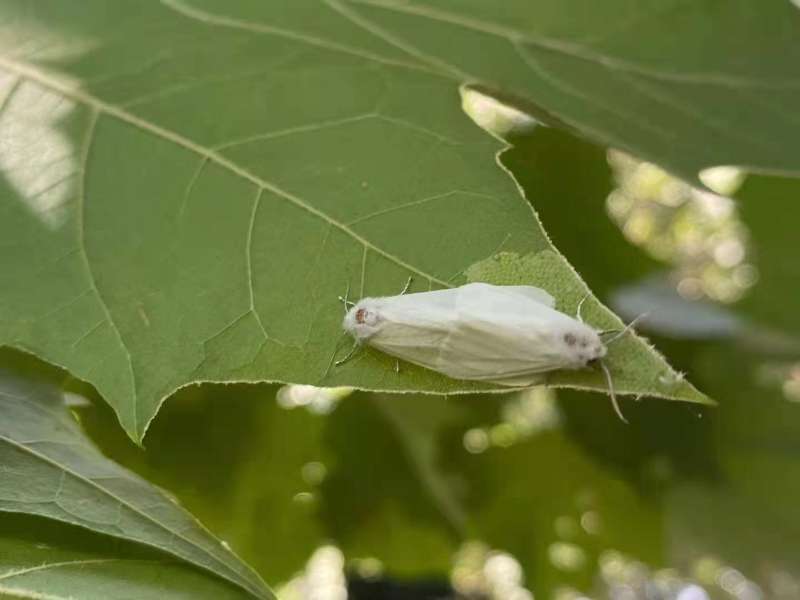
[{"x": 491, "y": 350}]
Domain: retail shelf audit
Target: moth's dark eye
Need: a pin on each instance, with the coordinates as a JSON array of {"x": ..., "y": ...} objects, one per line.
[
  {"x": 361, "y": 316},
  {"x": 570, "y": 339}
]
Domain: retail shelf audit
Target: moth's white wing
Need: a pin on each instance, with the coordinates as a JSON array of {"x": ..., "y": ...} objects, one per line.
[
  {"x": 415, "y": 326},
  {"x": 504, "y": 336},
  {"x": 479, "y": 331},
  {"x": 532, "y": 293}
]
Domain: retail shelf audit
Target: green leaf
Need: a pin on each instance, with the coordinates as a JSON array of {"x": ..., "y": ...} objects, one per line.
[
  {"x": 44, "y": 559},
  {"x": 545, "y": 162},
  {"x": 50, "y": 469},
  {"x": 745, "y": 535},
  {"x": 687, "y": 85},
  {"x": 279, "y": 482},
  {"x": 762, "y": 199},
  {"x": 187, "y": 206},
  {"x": 568, "y": 484},
  {"x": 406, "y": 493},
  {"x": 239, "y": 462},
  {"x": 529, "y": 493}
]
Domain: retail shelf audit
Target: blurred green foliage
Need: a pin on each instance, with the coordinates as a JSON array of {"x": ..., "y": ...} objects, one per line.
[
  {"x": 583, "y": 502},
  {"x": 498, "y": 495}
]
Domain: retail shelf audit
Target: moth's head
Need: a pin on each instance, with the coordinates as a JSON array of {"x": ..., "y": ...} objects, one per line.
[
  {"x": 362, "y": 320},
  {"x": 583, "y": 344}
]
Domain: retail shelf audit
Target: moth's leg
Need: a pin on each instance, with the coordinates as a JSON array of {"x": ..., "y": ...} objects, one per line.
[
  {"x": 580, "y": 306},
  {"x": 396, "y": 366},
  {"x": 407, "y": 285},
  {"x": 344, "y": 300},
  {"x": 611, "y": 393},
  {"x": 333, "y": 357},
  {"x": 355, "y": 347}
]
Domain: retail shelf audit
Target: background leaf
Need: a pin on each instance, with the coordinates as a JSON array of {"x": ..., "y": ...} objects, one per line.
[
  {"x": 44, "y": 559},
  {"x": 669, "y": 81},
  {"x": 52, "y": 470},
  {"x": 644, "y": 491},
  {"x": 188, "y": 207},
  {"x": 565, "y": 494},
  {"x": 278, "y": 482}
]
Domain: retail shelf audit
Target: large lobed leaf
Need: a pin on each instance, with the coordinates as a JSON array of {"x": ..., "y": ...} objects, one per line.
[
  {"x": 184, "y": 193},
  {"x": 242, "y": 463},
  {"x": 52, "y": 470}
]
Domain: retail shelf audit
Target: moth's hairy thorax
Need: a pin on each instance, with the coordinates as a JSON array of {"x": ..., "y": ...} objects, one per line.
[
  {"x": 364, "y": 319},
  {"x": 579, "y": 343}
]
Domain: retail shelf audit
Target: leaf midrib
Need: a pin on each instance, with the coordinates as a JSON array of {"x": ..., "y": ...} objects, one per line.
[{"x": 72, "y": 563}]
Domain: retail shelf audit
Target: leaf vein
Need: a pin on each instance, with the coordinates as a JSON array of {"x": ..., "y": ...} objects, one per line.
[
  {"x": 87, "y": 144},
  {"x": 558, "y": 84},
  {"x": 413, "y": 203},
  {"x": 88, "y": 333},
  {"x": 190, "y": 187},
  {"x": 209, "y": 18},
  {"x": 98, "y": 105},
  {"x": 575, "y": 50},
  {"x": 292, "y": 130},
  {"x": 708, "y": 120},
  {"x": 379, "y": 32},
  {"x": 363, "y": 274},
  {"x": 88, "y": 481},
  {"x": 249, "y": 262},
  {"x": 72, "y": 563},
  {"x": 11, "y": 91}
]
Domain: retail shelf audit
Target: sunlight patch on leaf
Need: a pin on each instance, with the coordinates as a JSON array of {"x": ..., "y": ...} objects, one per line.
[{"x": 36, "y": 158}]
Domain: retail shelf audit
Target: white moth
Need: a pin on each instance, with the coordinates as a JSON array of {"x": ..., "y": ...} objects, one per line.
[{"x": 507, "y": 335}]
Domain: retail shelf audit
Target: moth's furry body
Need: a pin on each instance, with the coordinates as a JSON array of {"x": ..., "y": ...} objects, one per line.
[{"x": 502, "y": 334}]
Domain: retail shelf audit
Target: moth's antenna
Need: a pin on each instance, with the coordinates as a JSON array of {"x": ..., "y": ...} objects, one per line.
[
  {"x": 330, "y": 362},
  {"x": 344, "y": 300},
  {"x": 580, "y": 306},
  {"x": 333, "y": 356},
  {"x": 407, "y": 285},
  {"x": 623, "y": 331},
  {"x": 611, "y": 392}
]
